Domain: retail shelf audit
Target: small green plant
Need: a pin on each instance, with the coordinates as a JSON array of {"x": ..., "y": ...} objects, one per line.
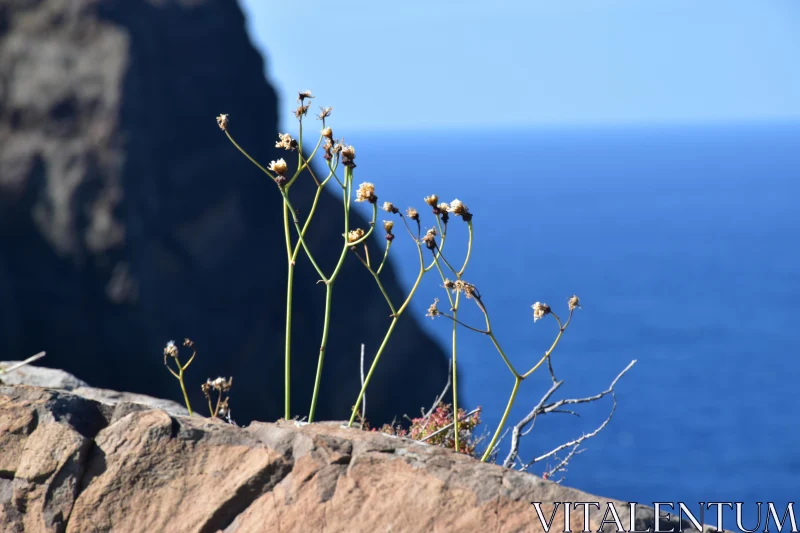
[{"x": 436, "y": 428}]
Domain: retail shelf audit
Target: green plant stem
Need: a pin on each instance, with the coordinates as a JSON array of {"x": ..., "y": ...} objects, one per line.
[
  {"x": 325, "y": 329},
  {"x": 328, "y": 293},
  {"x": 382, "y": 347},
  {"x": 385, "y": 255},
  {"x": 455, "y": 372},
  {"x": 548, "y": 352},
  {"x": 469, "y": 251},
  {"x": 287, "y": 367},
  {"x": 185, "y": 395},
  {"x": 501, "y": 425}
]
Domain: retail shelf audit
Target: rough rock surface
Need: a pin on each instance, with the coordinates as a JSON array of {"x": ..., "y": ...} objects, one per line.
[
  {"x": 72, "y": 464},
  {"x": 127, "y": 219}
]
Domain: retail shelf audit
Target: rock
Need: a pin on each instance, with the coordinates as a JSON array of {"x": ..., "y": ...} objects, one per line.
[
  {"x": 128, "y": 219},
  {"x": 52, "y": 378},
  {"x": 150, "y": 471},
  {"x": 39, "y": 376}
]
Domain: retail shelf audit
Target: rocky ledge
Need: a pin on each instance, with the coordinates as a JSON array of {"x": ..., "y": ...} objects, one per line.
[{"x": 109, "y": 462}]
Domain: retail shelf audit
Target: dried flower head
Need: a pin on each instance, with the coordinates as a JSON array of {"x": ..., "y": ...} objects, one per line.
[
  {"x": 539, "y": 310},
  {"x": 412, "y": 213},
  {"x": 170, "y": 350},
  {"x": 302, "y": 95},
  {"x": 188, "y": 343},
  {"x": 286, "y": 142},
  {"x": 467, "y": 288},
  {"x": 448, "y": 284},
  {"x": 459, "y": 208},
  {"x": 433, "y": 310},
  {"x": 355, "y": 234},
  {"x": 324, "y": 113},
  {"x": 430, "y": 239},
  {"x": 366, "y": 193},
  {"x": 328, "y": 148},
  {"x": 327, "y": 133},
  {"x": 388, "y": 225},
  {"x": 390, "y": 208},
  {"x": 222, "y": 122},
  {"x": 348, "y": 154},
  {"x": 574, "y": 303},
  {"x": 432, "y": 200},
  {"x": 279, "y": 166},
  {"x": 300, "y": 111}
]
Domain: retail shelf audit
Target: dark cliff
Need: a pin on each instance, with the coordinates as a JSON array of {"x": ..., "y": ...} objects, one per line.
[{"x": 127, "y": 219}]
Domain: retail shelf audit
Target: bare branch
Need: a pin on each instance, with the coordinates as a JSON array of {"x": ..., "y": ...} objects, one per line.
[
  {"x": 542, "y": 407},
  {"x": 439, "y": 398},
  {"x": 27, "y": 361},
  {"x": 577, "y": 442}
]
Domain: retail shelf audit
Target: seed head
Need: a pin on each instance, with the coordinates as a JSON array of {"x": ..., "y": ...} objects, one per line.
[
  {"x": 388, "y": 225},
  {"x": 170, "y": 350},
  {"x": 468, "y": 289},
  {"x": 390, "y": 208},
  {"x": 412, "y": 213},
  {"x": 222, "y": 122},
  {"x": 539, "y": 310},
  {"x": 355, "y": 234},
  {"x": 300, "y": 111},
  {"x": 348, "y": 154},
  {"x": 279, "y": 166},
  {"x": 366, "y": 193},
  {"x": 188, "y": 343},
  {"x": 302, "y": 95},
  {"x": 450, "y": 285},
  {"x": 574, "y": 303},
  {"x": 286, "y": 142},
  {"x": 324, "y": 113},
  {"x": 328, "y": 147},
  {"x": 444, "y": 207},
  {"x": 433, "y": 310},
  {"x": 328, "y": 133},
  {"x": 430, "y": 239},
  {"x": 459, "y": 208},
  {"x": 432, "y": 200}
]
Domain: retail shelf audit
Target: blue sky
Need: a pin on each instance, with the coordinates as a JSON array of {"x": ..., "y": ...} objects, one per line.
[{"x": 445, "y": 64}]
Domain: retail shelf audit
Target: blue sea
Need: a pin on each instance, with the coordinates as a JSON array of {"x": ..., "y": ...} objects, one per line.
[{"x": 682, "y": 243}]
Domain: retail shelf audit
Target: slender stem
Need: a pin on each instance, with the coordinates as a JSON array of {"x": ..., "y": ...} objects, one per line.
[
  {"x": 372, "y": 370},
  {"x": 455, "y": 372},
  {"x": 488, "y": 452},
  {"x": 256, "y": 163},
  {"x": 547, "y": 354},
  {"x": 287, "y": 366},
  {"x": 325, "y": 329},
  {"x": 395, "y": 318},
  {"x": 328, "y": 295},
  {"x": 385, "y": 255},
  {"x": 300, "y": 235},
  {"x": 469, "y": 251},
  {"x": 454, "y": 319},
  {"x": 183, "y": 388}
]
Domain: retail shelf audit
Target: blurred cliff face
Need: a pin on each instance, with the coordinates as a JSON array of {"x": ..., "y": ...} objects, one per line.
[{"x": 127, "y": 219}]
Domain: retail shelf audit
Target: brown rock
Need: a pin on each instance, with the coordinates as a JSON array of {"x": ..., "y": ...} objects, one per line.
[{"x": 148, "y": 471}]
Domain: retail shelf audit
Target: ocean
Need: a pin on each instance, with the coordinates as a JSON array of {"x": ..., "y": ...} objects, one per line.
[{"x": 681, "y": 242}]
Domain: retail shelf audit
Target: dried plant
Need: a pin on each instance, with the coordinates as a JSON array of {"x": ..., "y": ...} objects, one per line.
[
  {"x": 434, "y": 426},
  {"x": 171, "y": 353},
  {"x": 221, "y": 385}
]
